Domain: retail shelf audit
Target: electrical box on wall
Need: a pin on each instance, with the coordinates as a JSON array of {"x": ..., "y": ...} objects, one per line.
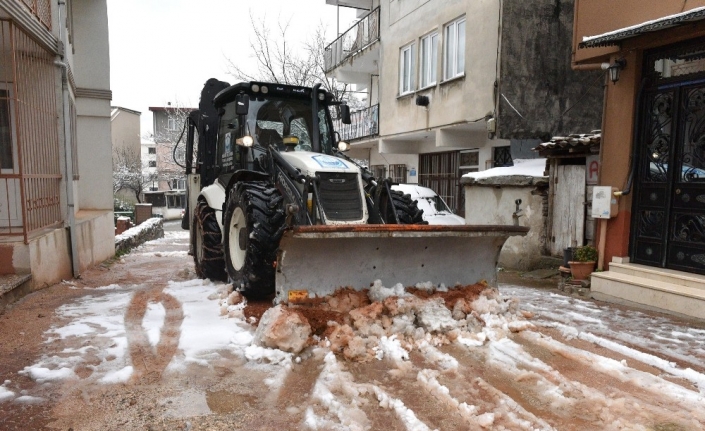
[{"x": 604, "y": 202}]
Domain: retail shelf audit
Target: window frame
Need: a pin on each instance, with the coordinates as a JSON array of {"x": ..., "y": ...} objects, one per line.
[
  {"x": 452, "y": 54},
  {"x": 14, "y": 169},
  {"x": 428, "y": 62},
  {"x": 411, "y": 82}
]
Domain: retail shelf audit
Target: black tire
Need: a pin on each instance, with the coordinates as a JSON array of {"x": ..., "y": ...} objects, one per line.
[
  {"x": 206, "y": 243},
  {"x": 407, "y": 210},
  {"x": 254, "y": 221}
]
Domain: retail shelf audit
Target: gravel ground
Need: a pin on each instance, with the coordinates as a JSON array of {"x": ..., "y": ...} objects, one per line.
[{"x": 582, "y": 366}]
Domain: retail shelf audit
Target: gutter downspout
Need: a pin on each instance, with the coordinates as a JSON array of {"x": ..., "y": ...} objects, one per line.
[{"x": 68, "y": 150}]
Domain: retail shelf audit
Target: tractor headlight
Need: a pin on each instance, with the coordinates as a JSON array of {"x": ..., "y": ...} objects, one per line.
[
  {"x": 255, "y": 88},
  {"x": 265, "y": 89},
  {"x": 245, "y": 141},
  {"x": 343, "y": 146}
]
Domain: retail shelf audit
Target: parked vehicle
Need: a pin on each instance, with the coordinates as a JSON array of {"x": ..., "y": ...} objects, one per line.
[{"x": 435, "y": 210}]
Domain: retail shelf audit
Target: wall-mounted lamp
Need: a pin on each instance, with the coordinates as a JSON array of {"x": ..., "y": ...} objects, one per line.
[
  {"x": 614, "y": 68},
  {"x": 422, "y": 100}
]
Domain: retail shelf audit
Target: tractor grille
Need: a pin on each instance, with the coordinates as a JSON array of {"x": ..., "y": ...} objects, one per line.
[{"x": 340, "y": 196}]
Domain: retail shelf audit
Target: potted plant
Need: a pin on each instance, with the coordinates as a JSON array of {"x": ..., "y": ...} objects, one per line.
[{"x": 583, "y": 263}]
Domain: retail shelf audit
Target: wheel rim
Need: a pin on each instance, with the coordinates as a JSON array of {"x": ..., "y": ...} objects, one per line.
[{"x": 238, "y": 227}]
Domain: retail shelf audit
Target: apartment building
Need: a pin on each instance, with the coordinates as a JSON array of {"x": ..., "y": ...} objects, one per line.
[
  {"x": 56, "y": 215},
  {"x": 458, "y": 86},
  {"x": 169, "y": 198}
]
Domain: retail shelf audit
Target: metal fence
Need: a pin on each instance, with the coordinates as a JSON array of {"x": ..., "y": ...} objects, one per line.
[
  {"x": 363, "y": 123},
  {"x": 42, "y": 9},
  {"x": 355, "y": 39},
  {"x": 30, "y": 177}
]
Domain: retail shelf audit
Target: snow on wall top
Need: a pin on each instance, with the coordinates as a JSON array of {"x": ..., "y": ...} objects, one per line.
[{"x": 522, "y": 167}]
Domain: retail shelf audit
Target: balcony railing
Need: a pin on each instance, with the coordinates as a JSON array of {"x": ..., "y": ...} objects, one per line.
[
  {"x": 364, "y": 123},
  {"x": 41, "y": 9},
  {"x": 354, "y": 40}
]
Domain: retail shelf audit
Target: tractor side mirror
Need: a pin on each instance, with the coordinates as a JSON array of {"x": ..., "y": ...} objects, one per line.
[
  {"x": 242, "y": 104},
  {"x": 345, "y": 114}
]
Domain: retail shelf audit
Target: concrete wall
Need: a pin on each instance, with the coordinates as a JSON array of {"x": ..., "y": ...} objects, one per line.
[
  {"x": 125, "y": 130},
  {"x": 91, "y": 69},
  {"x": 492, "y": 202},
  {"x": 536, "y": 75}
]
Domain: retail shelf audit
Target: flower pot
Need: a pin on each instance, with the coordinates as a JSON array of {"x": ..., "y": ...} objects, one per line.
[{"x": 581, "y": 270}]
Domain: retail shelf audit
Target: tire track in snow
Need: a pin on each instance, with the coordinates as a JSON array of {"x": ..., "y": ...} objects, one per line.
[
  {"x": 150, "y": 361},
  {"x": 510, "y": 397},
  {"x": 650, "y": 399}
]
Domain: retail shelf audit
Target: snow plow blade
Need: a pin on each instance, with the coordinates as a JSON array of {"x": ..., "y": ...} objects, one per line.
[{"x": 318, "y": 260}]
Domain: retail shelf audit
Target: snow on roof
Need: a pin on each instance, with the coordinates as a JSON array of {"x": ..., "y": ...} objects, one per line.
[
  {"x": 614, "y": 36},
  {"x": 522, "y": 167}
]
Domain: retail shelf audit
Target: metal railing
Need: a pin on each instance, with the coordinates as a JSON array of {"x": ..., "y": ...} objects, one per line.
[
  {"x": 30, "y": 178},
  {"x": 363, "y": 123},
  {"x": 41, "y": 9},
  {"x": 354, "y": 40}
]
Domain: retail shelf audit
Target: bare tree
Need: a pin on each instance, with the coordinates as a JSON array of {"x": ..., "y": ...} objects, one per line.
[
  {"x": 279, "y": 61},
  {"x": 129, "y": 173}
]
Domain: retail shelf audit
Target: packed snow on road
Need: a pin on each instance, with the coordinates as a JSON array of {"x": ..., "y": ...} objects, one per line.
[{"x": 513, "y": 358}]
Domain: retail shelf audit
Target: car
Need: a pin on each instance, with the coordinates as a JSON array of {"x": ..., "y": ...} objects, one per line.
[{"x": 435, "y": 210}]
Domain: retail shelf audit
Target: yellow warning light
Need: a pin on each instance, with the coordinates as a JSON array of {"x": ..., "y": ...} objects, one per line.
[{"x": 298, "y": 295}]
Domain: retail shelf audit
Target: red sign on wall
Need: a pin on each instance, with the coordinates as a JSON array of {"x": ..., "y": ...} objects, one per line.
[{"x": 592, "y": 169}]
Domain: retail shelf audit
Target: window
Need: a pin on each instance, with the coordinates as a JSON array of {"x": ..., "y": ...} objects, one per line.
[
  {"x": 397, "y": 173},
  {"x": 377, "y": 171},
  {"x": 177, "y": 184},
  {"x": 429, "y": 59},
  {"x": 502, "y": 156},
  {"x": 152, "y": 163},
  {"x": 469, "y": 161},
  {"x": 6, "y": 135},
  {"x": 454, "y": 54},
  {"x": 406, "y": 69},
  {"x": 171, "y": 123},
  {"x": 151, "y": 150},
  {"x": 175, "y": 201}
]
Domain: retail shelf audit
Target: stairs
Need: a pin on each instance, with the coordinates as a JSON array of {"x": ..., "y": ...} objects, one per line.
[
  {"x": 13, "y": 287},
  {"x": 656, "y": 288}
]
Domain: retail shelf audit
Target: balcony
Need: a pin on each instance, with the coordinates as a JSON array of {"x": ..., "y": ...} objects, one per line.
[
  {"x": 364, "y": 123},
  {"x": 357, "y": 45}
]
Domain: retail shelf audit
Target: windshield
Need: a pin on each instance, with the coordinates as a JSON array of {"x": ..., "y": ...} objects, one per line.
[
  {"x": 271, "y": 121},
  {"x": 432, "y": 204}
]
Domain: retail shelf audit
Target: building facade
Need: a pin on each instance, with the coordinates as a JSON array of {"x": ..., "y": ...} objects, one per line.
[
  {"x": 169, "y": 198},
  {"x": 55, "y": 146},
  {"x": 653, "y": 148},
  {"x": 459, "y": 86}
]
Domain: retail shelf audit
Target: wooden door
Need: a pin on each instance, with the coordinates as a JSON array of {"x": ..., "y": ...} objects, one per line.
[{"x": 568, "y": 218}]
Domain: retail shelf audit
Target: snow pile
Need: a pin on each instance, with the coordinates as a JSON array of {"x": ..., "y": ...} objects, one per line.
[
  {"x": 390, "y": 322},
  {"x": 139, "y": 229}
]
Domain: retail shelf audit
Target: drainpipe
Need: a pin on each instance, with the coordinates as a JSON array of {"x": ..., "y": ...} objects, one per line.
[{"x": 68, "y": 150}]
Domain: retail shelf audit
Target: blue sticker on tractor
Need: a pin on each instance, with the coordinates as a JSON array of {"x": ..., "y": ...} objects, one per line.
[{"x": 329, "y": 162}]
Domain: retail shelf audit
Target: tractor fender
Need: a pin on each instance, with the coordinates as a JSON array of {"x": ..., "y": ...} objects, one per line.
[
  {"x": 242, "y": 175},
  {"x": 215, "y": 197}
]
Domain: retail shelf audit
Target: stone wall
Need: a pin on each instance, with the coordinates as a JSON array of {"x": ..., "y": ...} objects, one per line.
[{"x": 131, "y": 238}]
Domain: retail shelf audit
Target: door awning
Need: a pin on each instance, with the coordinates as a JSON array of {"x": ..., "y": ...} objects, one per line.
[{"x": 616, "y": 36}]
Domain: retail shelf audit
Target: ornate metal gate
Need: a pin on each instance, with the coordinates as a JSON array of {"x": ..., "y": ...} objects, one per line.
[{"x": 668, "y": 226}]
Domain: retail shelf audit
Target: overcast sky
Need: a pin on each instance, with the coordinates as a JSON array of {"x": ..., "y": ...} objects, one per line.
[{"x": 164, "y": 50}]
